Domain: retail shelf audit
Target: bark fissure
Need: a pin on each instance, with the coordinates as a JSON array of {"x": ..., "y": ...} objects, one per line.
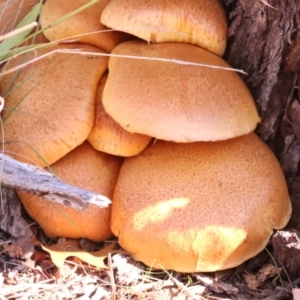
[{"x": 265, "y": 43}]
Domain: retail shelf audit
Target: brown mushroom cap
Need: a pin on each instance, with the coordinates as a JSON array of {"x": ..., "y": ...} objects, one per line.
[
  {"x": 87, "y": 168},
  {"x": 181, "y": 103},
  {"x": 108, "y": 136},
  {"x": 82, "y": 23},
  {"x": 202, "y": 206},
  {"x": 54, "y": 101},
  {"x": 197, "y": 22}
]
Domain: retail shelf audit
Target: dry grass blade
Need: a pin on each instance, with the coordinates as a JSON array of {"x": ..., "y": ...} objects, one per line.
[
  {"x": 111, "y": 276},
  {"x": 83, "y": 7},
  {"x": 174, "y": 61},
  {"x": 20, "y": 34},
  {"x": 183, "y": 287},
  {"x": 267, "y": 4},
  {"x": 17, "y": 31},
  {"x": 276, "y": 266},
  {"x": 14, "y": 39}
]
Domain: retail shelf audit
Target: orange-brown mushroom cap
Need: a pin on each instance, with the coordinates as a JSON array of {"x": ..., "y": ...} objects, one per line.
[
  {"x": 173, "y": 101},
  {"x": 49, "y": 109},
  {"x": 198, "y": 22},
  {"x": 83, "y": 24},
  {"x": 87, "y": 168},
  {"x": 202, "y": 206},
  {"x": 108, "y": 136}
]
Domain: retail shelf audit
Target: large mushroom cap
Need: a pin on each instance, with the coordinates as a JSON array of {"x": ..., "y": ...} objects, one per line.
[
  {"x": 198, "y": 22},
  {"x": 108, "y": 136},
  {"x": 202, "y": 206},
  {"x": 83, "y": 24},
  {"x": 86, "y": 168},
  {"x": 177, "y": 102},
  {"x": 50, "y": 107}
]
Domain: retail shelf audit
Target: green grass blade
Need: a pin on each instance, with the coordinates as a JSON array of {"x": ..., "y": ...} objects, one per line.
[
  {"x": 276, "y": 266},
  {"x": 12, "y": 41},
  {"x": 6, "y": 47},
  {"x": 31, "y": 16},
  {"x": 67, "y": 16},
  {"x": 28, "y": 48}
]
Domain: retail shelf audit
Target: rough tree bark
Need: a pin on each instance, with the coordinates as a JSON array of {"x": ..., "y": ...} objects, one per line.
[{"x": 265, "y": 42}]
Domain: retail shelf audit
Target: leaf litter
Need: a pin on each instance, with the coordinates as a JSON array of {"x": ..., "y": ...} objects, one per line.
[
  {"x": 80, "y": 278},
  {"x": 61, "y": 251}
]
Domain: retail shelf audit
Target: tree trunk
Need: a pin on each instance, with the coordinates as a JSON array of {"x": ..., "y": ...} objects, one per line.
[{"x": 264, "y": 41}]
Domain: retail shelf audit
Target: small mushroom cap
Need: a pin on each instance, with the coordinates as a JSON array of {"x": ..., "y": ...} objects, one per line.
[
  {"x": 53, "y": 101},
  {"x": 198, "y": 22},
  {"x": 177, "y": 102},
  {"x": 108, "y": 136},
  {"x": 87, "y": 168},
  {"x": 82, "y": 23},
  {"x": 12, "y": 12},
  {"x": 199, "y": 207}
]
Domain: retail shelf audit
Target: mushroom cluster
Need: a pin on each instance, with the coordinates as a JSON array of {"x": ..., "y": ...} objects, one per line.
[
  {"x": 50, "y": 112},
  {"x": 206, "y": 193}
]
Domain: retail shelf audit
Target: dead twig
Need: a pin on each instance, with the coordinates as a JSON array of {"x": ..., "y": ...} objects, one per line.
[{"x": 31, "y": 179}]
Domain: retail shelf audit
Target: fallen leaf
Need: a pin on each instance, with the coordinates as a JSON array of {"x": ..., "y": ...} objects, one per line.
[
  {"x": 14, "y": 251},
  {"x": 22, "y": 249},
  {"x": 214, "y": 286},
  {"x": 40, "y": 256},
  {"x": 267, "y": 271},
  {"x": 252, "y": 282},
  {"x": 60, "y": 252}
]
